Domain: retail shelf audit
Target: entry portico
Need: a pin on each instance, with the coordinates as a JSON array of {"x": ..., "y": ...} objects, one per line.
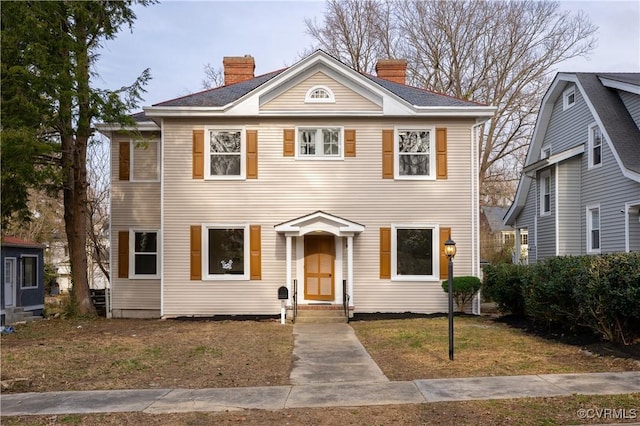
[{"x": 320, "y": 239}]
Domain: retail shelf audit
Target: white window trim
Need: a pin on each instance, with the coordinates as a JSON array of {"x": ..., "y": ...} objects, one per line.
[
  {"x": 435, "y": 250},
  {"x": 205, "y": 252},
  {"x": 565, "y": 98},
  {"x": 590, "y": 146},
  {"x": 590, "y": 208},
  {"x": 542, "y": 188},
  {"x": 243, "y": 153},
  {"x": 132, "y": 157},
  {"x": 432, "y": 152},
  {"x": 319, "y": 157},
  {"x": 309, "y": 100},
  {"x": 132, "y": 255},
  {"x": 22, "y": 286}
]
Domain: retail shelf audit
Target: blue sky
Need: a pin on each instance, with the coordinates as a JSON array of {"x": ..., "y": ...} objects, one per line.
[{"x": 176, "y": 39}]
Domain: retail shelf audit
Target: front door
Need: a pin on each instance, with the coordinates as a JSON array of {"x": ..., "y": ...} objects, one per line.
[
  {"x": 9, "y": 281},
  {"x": 319, "y": 261}
]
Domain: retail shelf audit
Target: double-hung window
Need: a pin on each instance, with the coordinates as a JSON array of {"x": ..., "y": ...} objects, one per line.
[
  {"x": 595, "y": 146},
  {"x": 414, "y": 251},
  {"x": 29, "y": 269},
  {"x": 545, "y": 193},
  {"x": 593, "y": 229},
  {"x": 225, "y": 154},
  {"x": 144, "y": 254},
  {"x": 226, "y": 252},
  {"x": 320, "y": 142},
  {"x": 415, "y": 153}
]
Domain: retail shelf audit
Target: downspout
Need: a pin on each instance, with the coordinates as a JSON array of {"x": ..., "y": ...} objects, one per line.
[
  {"x": 162, "y": 262},
  {"x": 475, "y": 210},
  {"x": 109, "y": 313}
]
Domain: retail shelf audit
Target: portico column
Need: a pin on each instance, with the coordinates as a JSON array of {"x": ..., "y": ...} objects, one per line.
[
  {"x": 350, "y": 269},
  {"x": 288, "y": 276}
]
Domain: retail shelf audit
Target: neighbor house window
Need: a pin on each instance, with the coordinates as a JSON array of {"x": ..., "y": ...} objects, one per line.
[
  {"x": 29, "y": 269},
  {"x": 144, "y": 254},
  {"x": 414, "y": 252},
  {"x": 145, "y": 161},
  {"x": 319, "y": 94},
  {"x": 595, "y": 145},
  {"x": 545, "y": 152},
  {"x": 415, "y": 157},
  {"x": 568, "y": 98},
  {"x": 225, "y": 154},
  {"x": 593, "y": 229},
  {"x": 226, "y": 252},
  {"x": 545, "y": 193},
  {"x": 322, "y": 142}
]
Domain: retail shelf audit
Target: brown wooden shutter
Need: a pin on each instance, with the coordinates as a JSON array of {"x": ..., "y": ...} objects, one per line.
[
  {"x": 350, "y": 143},
  {"x": 252, "y": 154},
  {"x": 387, "y": 154},
  {"x": 125, "y": 160},
  {"x": 196, "y": 252},
  {"x": 123, "y": 254},
  {"x": 441, "y": 153},
  {"x": 198, "y": 154},
  {"x": 445, "y": 234},
  {"x": 385, "y": 252},
  {"x": 289, "y": 142},
  {"x": 255, "y": 247}
]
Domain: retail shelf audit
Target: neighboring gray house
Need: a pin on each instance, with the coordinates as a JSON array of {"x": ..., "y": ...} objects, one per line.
[
  {"x": 496, "y": 236},
  {"x": 580, "y": 188}
]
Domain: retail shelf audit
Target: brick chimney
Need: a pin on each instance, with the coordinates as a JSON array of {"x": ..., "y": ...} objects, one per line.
[
  {"x": 238, "y": 68},
  {"x": 392, "y": 69}
]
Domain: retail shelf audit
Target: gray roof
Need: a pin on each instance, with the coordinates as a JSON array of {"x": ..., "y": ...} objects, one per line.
[
  {"x": 494, "y": 216},
  {"x": 224, "y": 95},
  {"x": 220, "y": 96},
  {"x": 624, "y": 134}
]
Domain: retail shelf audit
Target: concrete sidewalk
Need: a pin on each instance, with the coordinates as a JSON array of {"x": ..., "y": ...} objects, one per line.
[
  {"x": 318, "y": 395},
  {"x": 331, "y": 368}
]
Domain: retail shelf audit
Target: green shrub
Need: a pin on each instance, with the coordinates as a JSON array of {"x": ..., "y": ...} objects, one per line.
[
  {"x": 548, "y": 291},
  {"x": 464, "y": 288},
  {"x": 607, "y": 296},
  {"x": 503, "y": 284}
]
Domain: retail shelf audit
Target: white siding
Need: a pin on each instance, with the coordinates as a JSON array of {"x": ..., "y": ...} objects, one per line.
[
  {"x": 345, "y": 98},
  {"x": 133, "y": 205},
  {"x": 287, "y": 188}
]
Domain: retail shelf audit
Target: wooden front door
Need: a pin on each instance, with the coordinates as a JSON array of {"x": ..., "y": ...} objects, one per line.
[{"x": 319, "y": 261}]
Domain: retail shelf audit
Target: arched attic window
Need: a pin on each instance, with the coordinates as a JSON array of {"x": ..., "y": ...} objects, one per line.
[{"x": 319, "y": 94}]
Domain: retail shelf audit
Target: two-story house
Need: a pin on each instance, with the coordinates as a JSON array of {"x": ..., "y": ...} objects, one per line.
[
  {"x": 580, "y": 188},
  {"x": 340, "y": 186}
]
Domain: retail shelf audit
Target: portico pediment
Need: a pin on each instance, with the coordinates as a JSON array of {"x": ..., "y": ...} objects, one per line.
[{"x": 319, "y": 222}]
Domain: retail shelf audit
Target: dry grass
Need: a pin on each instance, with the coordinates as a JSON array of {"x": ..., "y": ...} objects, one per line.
[
  {"x": 419, "y": 349},
  {"x": 118, "y": 354}
]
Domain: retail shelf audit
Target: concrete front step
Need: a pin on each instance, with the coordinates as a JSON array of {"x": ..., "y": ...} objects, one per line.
[
  {"x": 320, "y": 314},
  {"x": 19, "y": 315}
]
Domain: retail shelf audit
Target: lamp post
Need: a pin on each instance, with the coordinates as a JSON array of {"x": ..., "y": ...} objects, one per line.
[{"x": 450, "y": 252}]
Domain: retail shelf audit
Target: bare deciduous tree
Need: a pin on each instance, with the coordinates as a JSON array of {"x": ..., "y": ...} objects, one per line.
[
  {"x": 496, "y": 53},
  {"x": 98, "y": 206},
  {"x": 356, "y": 32},
  {"x": 213, "y": 77}
]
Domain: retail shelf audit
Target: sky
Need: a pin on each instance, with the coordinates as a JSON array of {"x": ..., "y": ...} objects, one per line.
[{"x": 176, "y": 39}]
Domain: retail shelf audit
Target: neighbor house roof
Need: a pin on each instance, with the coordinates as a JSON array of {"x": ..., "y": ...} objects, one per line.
[
  {"x": 19, "y": 242},
  {"x": 493, "y": 216}
]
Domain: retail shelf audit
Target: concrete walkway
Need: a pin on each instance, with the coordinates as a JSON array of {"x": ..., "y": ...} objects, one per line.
[{"x": 331, "y": 368}]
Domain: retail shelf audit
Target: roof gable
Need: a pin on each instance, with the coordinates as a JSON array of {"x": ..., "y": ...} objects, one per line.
[{"x": 599, "y": 91}]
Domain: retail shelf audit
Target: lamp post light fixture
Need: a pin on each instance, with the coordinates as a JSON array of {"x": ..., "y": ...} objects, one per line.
[{"x": 450, "y": 252}]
